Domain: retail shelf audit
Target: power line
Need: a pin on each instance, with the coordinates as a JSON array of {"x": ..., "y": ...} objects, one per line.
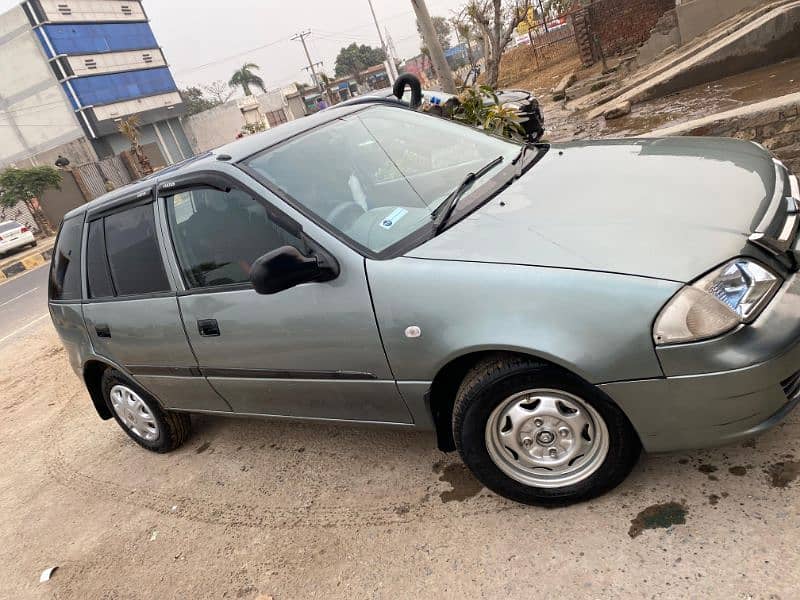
[{"x": 231, "y": 57}]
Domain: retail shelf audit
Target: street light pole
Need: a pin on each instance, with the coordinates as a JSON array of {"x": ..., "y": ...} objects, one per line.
[
  {"x": 432, "y": 42},
  {"x": 389, "y": 58}
]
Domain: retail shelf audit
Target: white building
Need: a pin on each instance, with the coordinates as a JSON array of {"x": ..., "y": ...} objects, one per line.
[{"x": 70, "y": 70}]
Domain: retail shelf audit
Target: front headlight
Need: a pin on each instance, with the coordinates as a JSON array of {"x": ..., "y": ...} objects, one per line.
[
  {"x": 513, "y": 105},
  {"x": 733, "y": 294}
]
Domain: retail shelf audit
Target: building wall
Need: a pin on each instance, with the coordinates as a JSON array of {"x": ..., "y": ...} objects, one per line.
[
  {"x": 91, "y": 10},
  {"x": 35, "y": 115},
  {"x": 220, "y": 125},
  {"x": 97, "y": 64},
  {"x": 623, "y": 25}
]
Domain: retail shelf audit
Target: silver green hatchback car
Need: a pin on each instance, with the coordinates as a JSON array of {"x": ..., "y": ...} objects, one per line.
[{"x": 547, "y": 310}]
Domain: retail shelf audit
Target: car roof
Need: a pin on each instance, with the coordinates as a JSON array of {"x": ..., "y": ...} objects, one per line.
[{"x": 234, "y": 152}]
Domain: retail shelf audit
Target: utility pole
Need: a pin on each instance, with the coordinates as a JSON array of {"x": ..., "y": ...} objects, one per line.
[
  {"x": 392, "y": 67},
  {"x": 435, "y": 48},
  {"x": 301, "y": 37}
]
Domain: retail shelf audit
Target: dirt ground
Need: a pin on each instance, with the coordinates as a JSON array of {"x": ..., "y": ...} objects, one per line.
[
  {"x": 518, "y": 70},
  {"x": 256, "y": 509}
]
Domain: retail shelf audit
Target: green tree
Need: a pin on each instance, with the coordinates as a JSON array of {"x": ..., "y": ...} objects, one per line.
[
  {"x": 353, "y": 59},
  {"x": 196, "y": 101},
  {"x": 443, "y": 30},
  {"x": 28, "y": 185},
  {"x": 246, "y": 79}
]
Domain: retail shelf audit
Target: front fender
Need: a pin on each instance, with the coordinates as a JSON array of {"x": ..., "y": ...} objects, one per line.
[{"x": 597, "y": 325}]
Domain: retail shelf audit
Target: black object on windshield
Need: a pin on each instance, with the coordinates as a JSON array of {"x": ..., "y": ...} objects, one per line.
[{"x": 451, "y": 202}]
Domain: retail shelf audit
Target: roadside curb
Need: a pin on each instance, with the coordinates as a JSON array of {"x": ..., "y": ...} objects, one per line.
[{"x": 33, "y": 261}]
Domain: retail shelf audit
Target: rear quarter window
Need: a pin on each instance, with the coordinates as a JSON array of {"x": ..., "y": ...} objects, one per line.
[{"x": 65, "y": 270}]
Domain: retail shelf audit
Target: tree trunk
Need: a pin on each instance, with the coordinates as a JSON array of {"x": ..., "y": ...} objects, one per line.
[
  {"x": 38, "y": 217},
  {"x": 493, "y": 70},
  {"x": 438, "y": 59}
]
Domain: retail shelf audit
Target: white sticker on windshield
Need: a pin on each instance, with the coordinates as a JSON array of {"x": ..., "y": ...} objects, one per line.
[{"x": 393, "y": 218}]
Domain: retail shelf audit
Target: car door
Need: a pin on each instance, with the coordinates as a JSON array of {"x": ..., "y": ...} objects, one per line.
[
  {"x": 131, "y": 308},
  {"x": 312, "y": 351}
]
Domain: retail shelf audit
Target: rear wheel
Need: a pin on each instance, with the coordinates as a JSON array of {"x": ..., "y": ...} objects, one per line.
[
  {"x": 141, "y": 417},
  {"x": 539, "y": 435}
]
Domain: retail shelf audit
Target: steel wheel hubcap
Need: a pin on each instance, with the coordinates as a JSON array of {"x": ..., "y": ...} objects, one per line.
[
  {"x": 546, "y": 438},
  {"x": 134, "y": 413}
]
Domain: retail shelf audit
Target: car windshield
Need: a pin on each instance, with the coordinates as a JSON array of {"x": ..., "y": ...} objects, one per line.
[{"x": 379, "y": 175}]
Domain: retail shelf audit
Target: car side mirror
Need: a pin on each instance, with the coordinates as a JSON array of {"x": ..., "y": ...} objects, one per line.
[{"x": 287, "y": 267}]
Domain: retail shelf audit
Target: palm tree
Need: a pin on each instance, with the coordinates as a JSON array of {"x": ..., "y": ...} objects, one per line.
[{"x": 245, "y": 78}]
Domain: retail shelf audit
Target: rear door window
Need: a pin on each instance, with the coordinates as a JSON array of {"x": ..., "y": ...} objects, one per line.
[
  {"x": 134, "y": 256},
  {"x": 65, "y": 270}
]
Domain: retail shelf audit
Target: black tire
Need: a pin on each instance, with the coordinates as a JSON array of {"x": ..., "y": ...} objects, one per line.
[
  {"x": 173, "y": 428},
  {"x": 495, "y": 379}
]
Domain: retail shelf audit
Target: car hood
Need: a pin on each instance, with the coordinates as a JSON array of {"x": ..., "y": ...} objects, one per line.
[{"x": 669, "y": 208}]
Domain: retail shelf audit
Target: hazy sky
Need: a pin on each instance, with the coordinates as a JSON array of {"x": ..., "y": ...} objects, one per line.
[{"x": 206, "y": 40}]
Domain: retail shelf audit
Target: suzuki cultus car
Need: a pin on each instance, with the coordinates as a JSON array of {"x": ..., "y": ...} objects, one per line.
[{"x": 547, "y": 310}]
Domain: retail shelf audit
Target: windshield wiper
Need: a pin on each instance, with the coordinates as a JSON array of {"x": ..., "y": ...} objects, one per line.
[{"x": 451, "y": 202}]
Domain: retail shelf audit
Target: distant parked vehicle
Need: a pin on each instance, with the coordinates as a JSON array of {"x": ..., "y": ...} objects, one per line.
[{"x": 14, "y": 236}]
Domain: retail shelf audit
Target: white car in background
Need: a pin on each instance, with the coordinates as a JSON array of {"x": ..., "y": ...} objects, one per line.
[{"x": 14, "y": 236}]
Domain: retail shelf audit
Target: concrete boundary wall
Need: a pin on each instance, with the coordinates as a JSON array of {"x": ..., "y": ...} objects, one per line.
[
  {"x": 774, "y": 123},
  {"x": 696, "y": 17}
]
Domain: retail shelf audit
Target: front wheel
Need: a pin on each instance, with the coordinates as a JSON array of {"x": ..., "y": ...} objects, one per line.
[
  {"x": 539, "y": 435},
  {"x": 141, "y": 417}
]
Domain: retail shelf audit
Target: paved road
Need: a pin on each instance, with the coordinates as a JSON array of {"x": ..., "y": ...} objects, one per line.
[{"x": 23, "y": 303}]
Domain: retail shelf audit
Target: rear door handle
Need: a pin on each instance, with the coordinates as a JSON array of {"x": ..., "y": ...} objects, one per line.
[
  {"x": 208, "y": 328},
  {"x": 103, "y": 331}
]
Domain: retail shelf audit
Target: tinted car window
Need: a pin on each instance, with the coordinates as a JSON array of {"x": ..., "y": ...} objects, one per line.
[
  {"x": 65, "y": 270},
  {"x": 133, "y": 252},
  {"x": 218, "y": 236},
  {"x": 98, "y": 273}
]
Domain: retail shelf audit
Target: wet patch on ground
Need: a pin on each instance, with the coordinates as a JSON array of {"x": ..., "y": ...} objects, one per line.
[
  {"x": 709, "y": 470},
  {"x": 783, "y": 473},
  {"x": 739, "y": 471},
  {"x": 463, "y": 483},
  {"x": 658, "y": 516},
  {"x": 713, "y": 499},
  {"x": 203, "y": 448}
]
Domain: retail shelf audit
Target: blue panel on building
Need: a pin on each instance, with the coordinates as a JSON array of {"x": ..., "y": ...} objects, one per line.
[
  {"x": 93, "y": 39},
  {"x": 43, "y": 43},
  {"x": 108, "y": 89}
]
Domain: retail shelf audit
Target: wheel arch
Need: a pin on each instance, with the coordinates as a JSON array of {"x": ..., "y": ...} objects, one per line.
[
  {"x": 443, "y": 390},
  {"x": 93, "y": 378}
]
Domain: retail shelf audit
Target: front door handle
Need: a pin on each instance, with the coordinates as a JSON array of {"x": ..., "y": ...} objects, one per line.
[
  {"x": 208, "y": 328},
  {"x": 103, "y": 331}
]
